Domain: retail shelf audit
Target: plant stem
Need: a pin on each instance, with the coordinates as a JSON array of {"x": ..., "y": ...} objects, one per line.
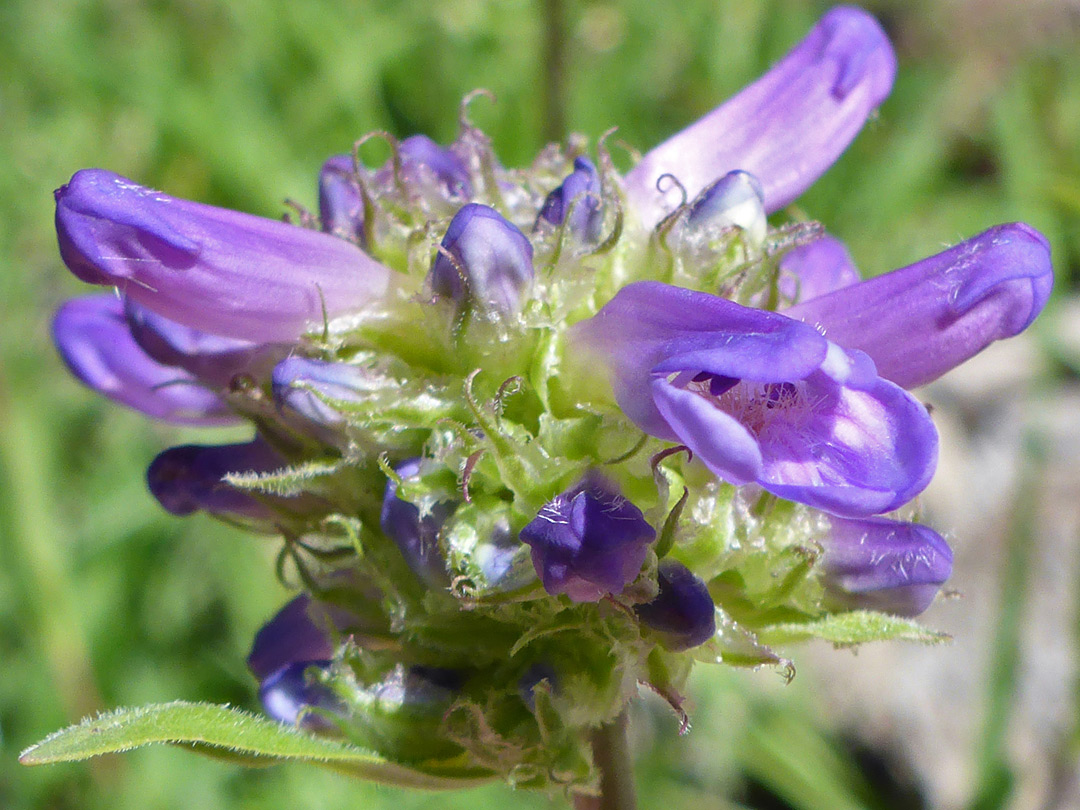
[{"x": 611, "y": 755}]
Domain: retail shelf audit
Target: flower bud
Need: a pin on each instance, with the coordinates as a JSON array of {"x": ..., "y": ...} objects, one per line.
[
  {"x": 303, "y": 386},
  {"x": 491, "y": 260},
  {"x": 421, "y": 154},
  {"x": 190, "y": 477},
  {"x": 735, "y": 200},
  {"x": 588, "y": 542},
  {"x": 341, "y": 208},
  {"x": 885, "y": 565},
  {"x": 95, "y": 343},
  {"x": 416, "y": 535},
  {"x": 683, "y": 612},
  {"x": 578, "y": 197}
]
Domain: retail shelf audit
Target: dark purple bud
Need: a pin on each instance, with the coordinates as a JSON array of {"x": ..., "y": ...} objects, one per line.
[
  {"x": 540, "y": 672},
  {"x": 816, "y": 269},
  {"x": 588, "y": 542},
  {"x": 491, "y": 264},
  {"x": 416, "y": 535},
  {"x": 578, "y": 196},
  {"x": 288, "y": 693},
  {"x": 215, "y": 270},
  {"x": 341, "y": 208},
  {"x": 420, "y": 153},
  {"x": 190, "y": 477},
  {"x": 885, "y": 565},
  {"x": 211, "y": 358},
  {"x": 786, "y": 128},
  {"x": 922, "y": 320},
  {"x": 683, "y": 611},
  {"x": 735, "y": 200},
  {"x": 306, "y": 387},
  {"x": 94, "y": 341},
  {"x": 300, "y": 631},
  {"x": 808, "y": 420}
]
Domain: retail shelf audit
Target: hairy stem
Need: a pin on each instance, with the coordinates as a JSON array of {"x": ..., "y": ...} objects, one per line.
[{"x": 611, "y": 755}]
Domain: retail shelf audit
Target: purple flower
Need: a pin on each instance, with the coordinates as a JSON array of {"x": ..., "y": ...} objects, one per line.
[
  {"x": 94, "y": 341},
  {"x": 491, "y": 264},
  {"x": 924, "y": 319},
  {"x": 588, "y": 542},
  {"x": 683, "y": 612},
  {"x": 884, "y": 565},
  {"x": 735, "y": 200},
  {"x": 214, "y": 270},
  {"x": 786, "y": 128},
  {"x": 416, "y": 535},
  {"x": 288, "y": 693},
  {"x": 578, "y": 197},
  {"x": 211, "y": 358},
  {"x": 420, "y": 155},
  {"x": 816, "y": 269},
  {"x": 189, "y": 477},
  {"x": 761, "y": 398}
]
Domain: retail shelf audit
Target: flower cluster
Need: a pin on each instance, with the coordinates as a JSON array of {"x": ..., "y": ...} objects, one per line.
[{"x": 533, "y": 437}]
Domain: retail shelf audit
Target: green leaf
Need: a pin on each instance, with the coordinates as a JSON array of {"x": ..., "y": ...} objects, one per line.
[
  {"x": 856, "y": 627},
  {"x": 237, "y": 736}
]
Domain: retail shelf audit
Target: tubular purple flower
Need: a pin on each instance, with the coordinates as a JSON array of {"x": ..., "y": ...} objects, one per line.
[
  {"x": 210, "y": 358},
  {"x": 188, "y": 478},
  {"x": 786, "y": 128},
  {"x": 208, "y": 268},
  {"x": 816, "y": 269},
  {"x": 885, "y": 565},
  {"x": 416, "y": 536},
  {"x": 95, "y": 343},
  {"x": 922, "y": 320},
  {"x": 588, "y": 542},
  {"x": 761, "y": 398},
  {"x": 683, "y": 612},
  {"x": 578, "y": 197},
  {"x": 491, "y": 264}
]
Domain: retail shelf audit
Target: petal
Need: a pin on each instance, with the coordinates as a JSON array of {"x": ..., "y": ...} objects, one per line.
[
  {"x": 215, "y": 270},
  {"x": 885, "y": 565},
  {"x": 786, "y": 128},
  {"x": 816, "y": 269},
  {"x": 650, "y": 328},
  {"x": 94, "y": 341},
  {"x": 922, "y": 320}
]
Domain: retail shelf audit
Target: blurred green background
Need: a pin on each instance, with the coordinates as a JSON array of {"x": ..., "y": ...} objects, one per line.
[{"x": 108, "y": 601}]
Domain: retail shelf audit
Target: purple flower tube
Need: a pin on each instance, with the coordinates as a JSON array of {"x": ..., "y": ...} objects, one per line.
[
  {"x": 588, "y": 542},
  {"x": 416, "y": 535},
  {"x": 786, "y": 128},
  {"x": 922, "y": 320},
  {"x": 95, "y": 343},
  {"x": 761, "y": 398},
  {"x": 218, "y": 271},
  {"x": 683, "y": 612}
]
